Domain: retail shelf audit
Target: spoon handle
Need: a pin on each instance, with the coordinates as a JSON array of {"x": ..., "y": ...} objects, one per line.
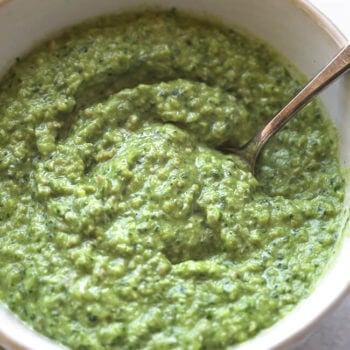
[{"x": 339, "y": 64}]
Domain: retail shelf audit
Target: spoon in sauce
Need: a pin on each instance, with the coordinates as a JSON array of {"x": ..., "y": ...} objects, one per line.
[{"x": 251, "y": 150}]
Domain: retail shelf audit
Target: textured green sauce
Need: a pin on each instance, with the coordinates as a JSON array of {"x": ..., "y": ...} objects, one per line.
[{"x": 121, "y": 225}]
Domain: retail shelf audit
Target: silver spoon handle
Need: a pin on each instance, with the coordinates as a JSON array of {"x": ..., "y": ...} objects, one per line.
[{"x": 339, "y": 64}]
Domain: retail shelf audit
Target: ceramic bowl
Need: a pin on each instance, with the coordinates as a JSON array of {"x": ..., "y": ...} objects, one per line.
[{"x": 296, "y": 29}]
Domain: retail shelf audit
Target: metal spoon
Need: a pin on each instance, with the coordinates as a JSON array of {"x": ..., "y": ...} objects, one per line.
[{"x": 251, "y": 150}]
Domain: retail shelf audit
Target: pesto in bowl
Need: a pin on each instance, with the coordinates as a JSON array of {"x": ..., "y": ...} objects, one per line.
[{"x": 121, "y": 224}]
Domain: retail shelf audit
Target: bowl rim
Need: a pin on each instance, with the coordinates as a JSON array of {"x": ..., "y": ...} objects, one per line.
[
  {"x": 340, "y": 40},
  {"x": 323, "y": 21},
  {"x": 10, "y": 339}
]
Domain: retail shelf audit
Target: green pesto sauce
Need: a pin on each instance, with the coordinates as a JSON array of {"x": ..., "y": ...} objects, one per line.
[{"x": 121, "y": 224}]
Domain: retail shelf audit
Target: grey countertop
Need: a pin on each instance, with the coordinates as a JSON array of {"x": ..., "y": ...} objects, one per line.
[{"x": 332, "y": 333}]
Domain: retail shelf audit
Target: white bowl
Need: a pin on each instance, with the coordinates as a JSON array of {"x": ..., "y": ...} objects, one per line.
[{"x": 296, "y": 29}]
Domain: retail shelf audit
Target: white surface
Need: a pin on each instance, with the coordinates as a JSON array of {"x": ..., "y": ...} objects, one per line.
[
  {"x": 333, "y": 333},
  {"x": 337, "y": 11}
]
